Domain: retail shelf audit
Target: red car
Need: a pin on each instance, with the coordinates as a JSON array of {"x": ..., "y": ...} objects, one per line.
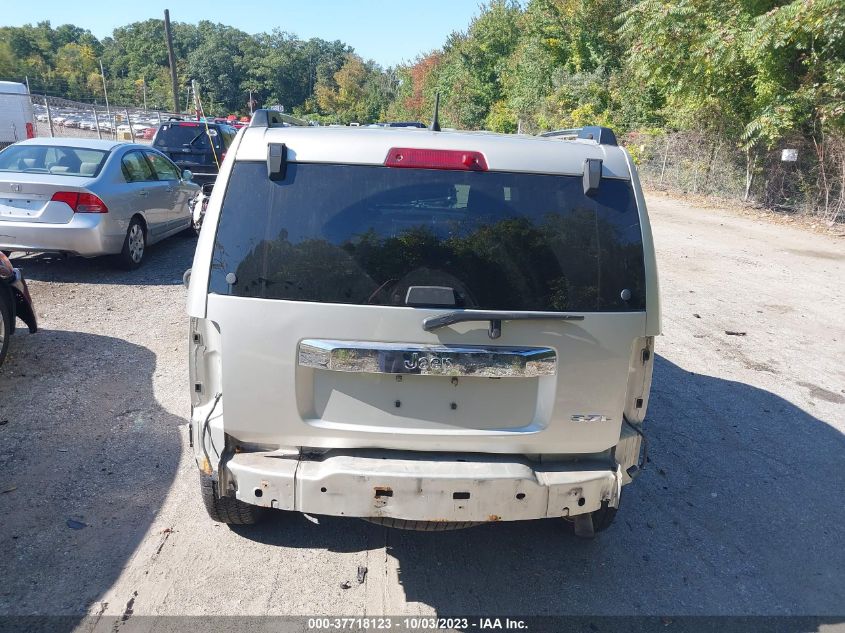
[{"x": 15, "y": 302}]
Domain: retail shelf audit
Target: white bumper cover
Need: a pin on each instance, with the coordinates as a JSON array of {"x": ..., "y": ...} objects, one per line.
[{"x": 423, "y": 486}]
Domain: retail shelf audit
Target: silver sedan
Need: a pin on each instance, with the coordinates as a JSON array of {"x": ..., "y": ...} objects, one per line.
[{"x": 90, "y": 197}]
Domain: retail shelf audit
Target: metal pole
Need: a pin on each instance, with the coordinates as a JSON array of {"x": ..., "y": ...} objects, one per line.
[
  {"x": 665, "y": 156},
  {"x": 97, "y": 122},
  {"x": 196, "y": 99},
  {"x": 250, "y": 101},
  {"x": 158, "y": 112},
  {"x": 49, "y": 118},
  {"x": 171, "y": 57},
  {"x": 105, "y": 91},
  {"x": 145, "y": 93},
  {"x": 129, "y": 121},
  {"x": 27, "y": 84}
]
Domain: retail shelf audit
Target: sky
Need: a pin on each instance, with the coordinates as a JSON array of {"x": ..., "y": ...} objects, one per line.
[{"x": 388, "y": 32}]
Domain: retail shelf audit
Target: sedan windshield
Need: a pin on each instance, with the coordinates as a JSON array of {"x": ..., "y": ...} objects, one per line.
[{"x": 52, "y": 159}]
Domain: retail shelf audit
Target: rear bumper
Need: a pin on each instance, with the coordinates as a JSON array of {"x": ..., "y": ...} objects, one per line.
[
  {"x": 86, "y": 234},
  {"x": 423, "y": 486},
  {"x": 203, "y": 178}
]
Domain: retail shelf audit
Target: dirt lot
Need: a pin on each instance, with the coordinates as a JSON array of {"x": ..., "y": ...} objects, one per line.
[{"x": 739, "y": 512}]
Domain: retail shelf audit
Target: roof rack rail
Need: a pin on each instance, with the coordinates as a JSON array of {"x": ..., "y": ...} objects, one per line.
[
  {"x": 597, "y": 133},
  {"x": 272, "y": 118}
]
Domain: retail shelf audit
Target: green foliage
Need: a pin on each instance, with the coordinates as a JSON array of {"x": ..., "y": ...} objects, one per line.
[
  {"x": 358, "y": 92},
  {"x": 227, "y": 63},
  {"x": 65, "y": 57},
  {"x": 748, "y": 71}
]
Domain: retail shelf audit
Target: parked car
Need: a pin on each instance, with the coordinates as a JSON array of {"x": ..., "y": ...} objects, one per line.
[
  {"x": 15, "y": 303},
  {"x": 90, "y": 197},
  {"x": 17, "y": 121},
  {"x": 196, "y": 145},
  {"x": 424, "y": 329},
  {"x": 199, "y": 205}
]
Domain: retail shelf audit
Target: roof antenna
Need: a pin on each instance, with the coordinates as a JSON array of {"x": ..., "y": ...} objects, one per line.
[{"x": 435, "y": 123}]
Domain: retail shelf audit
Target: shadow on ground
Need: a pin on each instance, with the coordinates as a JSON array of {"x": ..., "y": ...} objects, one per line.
[
  {"x": 738, "y": 513},
  {"x": 104, "y": 454},
  {"x": 164, "y": 264}
]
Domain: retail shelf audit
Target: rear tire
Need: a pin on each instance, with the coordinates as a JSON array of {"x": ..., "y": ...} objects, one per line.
[
  {"x": 227, "y": 509},
  {"x": 134, "y": 245},
  {"x": 5, "y": 322},
  {"x": 422, "y": 526}
]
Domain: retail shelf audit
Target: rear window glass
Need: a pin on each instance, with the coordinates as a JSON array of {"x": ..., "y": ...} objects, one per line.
[
  {"x": 50, "y": 159},
  {"x": 364, "y": 235},
  {"x": 191, "y": 135}
]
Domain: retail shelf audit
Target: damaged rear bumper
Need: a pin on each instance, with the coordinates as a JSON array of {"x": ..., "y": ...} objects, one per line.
[{"x": 422, "y": 486}]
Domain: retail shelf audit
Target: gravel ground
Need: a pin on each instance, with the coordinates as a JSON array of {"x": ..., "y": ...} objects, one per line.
[{"x": 739, "y": 512}]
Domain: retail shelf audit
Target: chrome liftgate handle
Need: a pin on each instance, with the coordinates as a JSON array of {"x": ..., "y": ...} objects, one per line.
[{"x": 427, "y": 360}]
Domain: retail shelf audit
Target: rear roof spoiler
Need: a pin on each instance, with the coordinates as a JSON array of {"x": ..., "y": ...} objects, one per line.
[
  {"x": 601, "y": 135},
  {"x": 272, "y": 118}
]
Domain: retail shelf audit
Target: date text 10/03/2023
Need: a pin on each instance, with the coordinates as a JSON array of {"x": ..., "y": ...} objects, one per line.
[{"x": 416, "y": 624}]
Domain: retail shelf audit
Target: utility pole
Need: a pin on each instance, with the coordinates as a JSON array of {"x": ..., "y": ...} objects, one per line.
[
  {"x": 27, "y": 85},
  {"x": 172, "y": 59}
]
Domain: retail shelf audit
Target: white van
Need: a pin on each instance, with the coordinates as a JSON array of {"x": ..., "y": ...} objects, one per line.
[
  {"x": 425, "y": 329},
  {"x": 17, "y": 121}
]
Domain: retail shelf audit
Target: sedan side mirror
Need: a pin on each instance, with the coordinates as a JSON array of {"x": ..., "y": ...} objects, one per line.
[
  {"x": 187, "y": 174},
  {"x": 186, "y": 278}
]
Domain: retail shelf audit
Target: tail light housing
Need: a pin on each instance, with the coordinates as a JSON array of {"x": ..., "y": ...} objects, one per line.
[
  {"x": 30, "y": 130},
  {"x": 81, "y": 202}
]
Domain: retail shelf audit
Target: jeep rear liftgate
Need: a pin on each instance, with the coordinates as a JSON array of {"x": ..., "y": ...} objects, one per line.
[
  {"x": 431, "y": 393},
  {"x": 419, "y": 309}
]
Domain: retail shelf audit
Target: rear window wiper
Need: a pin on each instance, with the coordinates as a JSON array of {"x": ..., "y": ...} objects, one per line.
[
  {"x": 194, "y": 140},
  {"x": 495, "y": 318}
]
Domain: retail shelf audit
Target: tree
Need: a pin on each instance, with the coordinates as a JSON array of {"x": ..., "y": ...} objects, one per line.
[
  {"x": 357, "y": 92},
  {"x": 217, "y": 64}
]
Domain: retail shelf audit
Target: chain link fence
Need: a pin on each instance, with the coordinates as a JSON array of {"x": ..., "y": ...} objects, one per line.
[
  {"x": 61, "y": 117},
  {"x": 811, "y": 181},
  {"x": 57, "y": 117},
  {"x": 800, "y": 175}
]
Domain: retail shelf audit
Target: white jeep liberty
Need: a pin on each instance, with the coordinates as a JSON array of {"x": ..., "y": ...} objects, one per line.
[{"x": 426, "y": 329}]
